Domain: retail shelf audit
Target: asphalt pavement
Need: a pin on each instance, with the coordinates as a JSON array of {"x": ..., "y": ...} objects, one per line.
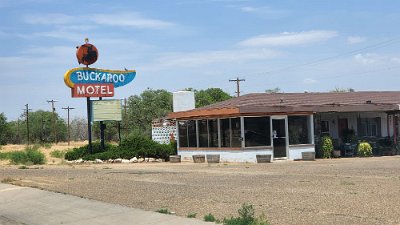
[{"x": 30, "y": 206}]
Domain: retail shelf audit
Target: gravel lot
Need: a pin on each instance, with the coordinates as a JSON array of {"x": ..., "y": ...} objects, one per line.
[{"x": 337, "y": 191}]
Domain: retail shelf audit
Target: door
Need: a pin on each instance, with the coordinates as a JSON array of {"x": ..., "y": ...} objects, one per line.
[
  {"x": 279, "y": 137},
  {"x": 342, "y": 127}
]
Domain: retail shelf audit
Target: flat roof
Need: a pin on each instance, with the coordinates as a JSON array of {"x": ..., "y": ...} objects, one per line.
[{"x": 297, "y": 103}]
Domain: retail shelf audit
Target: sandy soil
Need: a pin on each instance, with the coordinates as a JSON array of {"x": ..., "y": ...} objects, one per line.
[{"x": 337, "y": 191}]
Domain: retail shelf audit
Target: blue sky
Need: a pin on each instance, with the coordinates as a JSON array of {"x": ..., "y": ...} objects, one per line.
[{"x": 297, "y": 46}]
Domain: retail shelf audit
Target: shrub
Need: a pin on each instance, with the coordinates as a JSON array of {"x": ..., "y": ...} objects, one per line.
[
  {"x": 192, "y": 215},
  {"x": 209, "y": 218},
  {"x": 163, "y": 211},
  {"x": 326, "y": 147},
  {"x": 246, "y": 217},
  {"x": 364, "y": 149},
  {"x": 29, "y": 156},
  {"x": 57, "y": 154}
]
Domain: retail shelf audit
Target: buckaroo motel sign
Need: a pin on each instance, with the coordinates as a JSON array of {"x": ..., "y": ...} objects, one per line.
[
  {"x": 88, "y": 82},
  {"x": 92, "y": 82}
]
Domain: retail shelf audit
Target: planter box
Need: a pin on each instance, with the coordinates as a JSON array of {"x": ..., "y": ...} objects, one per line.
[
  {"x": 263, "y": 158},
  {"x": 213, "y": 158},
  {"x": 336, "y": 153},
  {"x": 308, "y": 156},
  {"x": 175, "y": 158},
  {"x": 199, "y": 158}
]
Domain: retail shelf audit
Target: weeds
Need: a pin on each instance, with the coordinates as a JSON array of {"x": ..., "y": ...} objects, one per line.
[
  {"x": 7, "y": 180},
  {"x": 192, "y": 215},
  {"x": 31, "y": 156},
  {"x": 209, "y": 218},
  {"x": 163, "y": 211},
  {"x": 58, "y": 154}
]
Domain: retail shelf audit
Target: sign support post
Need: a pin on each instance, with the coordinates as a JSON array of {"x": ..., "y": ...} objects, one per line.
[{"x": 89, "y": 116}]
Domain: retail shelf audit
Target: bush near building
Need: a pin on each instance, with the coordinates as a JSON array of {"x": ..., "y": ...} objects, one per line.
[{"x": 136, "y": 145}]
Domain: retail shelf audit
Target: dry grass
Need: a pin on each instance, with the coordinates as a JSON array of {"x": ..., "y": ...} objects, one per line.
[{"x": 61, "y": 146}]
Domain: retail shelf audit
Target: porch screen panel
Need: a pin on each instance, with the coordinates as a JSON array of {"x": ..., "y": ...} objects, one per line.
[
  {"x": 213, "y": 133},
  {"x": 236, "y": 130},
  {"x": 203, "y": 133},
  {"x": 225, "y": 132},
  {"x": 191, "y": 127},
  {"x": 299, "y": 132},
  {"x": 257, "y": 131},
  {"x": 183, "y": 137}
]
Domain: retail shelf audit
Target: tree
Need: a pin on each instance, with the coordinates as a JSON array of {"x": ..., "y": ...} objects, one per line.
[
  {"x": 79, "y": 129},
  {"x": 149, "y": 105},
  {"x": 338, "y": 89},
  {"x": 274, "y": 90},
  {"x": 40, "y": 128},
  {"x": 210, "y": 96},
  {"x": 4, "y": 129}
]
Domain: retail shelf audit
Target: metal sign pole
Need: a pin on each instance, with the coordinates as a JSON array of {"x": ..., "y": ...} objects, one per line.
[{"x": 89, "y": 116}]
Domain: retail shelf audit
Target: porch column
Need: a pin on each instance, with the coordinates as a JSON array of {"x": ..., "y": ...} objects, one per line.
[
  {"x": 388, "y": 124},
  {"x": 311, "y": 128},
  {"x": 395, "y": 120}
]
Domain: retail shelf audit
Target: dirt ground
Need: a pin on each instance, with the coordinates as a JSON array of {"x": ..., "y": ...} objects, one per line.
[{"x": 334, "y": 191}]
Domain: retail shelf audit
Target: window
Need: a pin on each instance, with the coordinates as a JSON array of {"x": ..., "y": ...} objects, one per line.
[
  {"x": 225, "y": 132},
  {"x": 203, "y": 133},
  {"x": 183, "y": 136},
  {"x": 230, "y": 132},
  {"x": 213, "y": 133},
  {"x": 191, "y": 126},
  {"x": 299, "y": 132},
  {"x": 369, "y": 127},
  {"x": 325, "y": 127},
  {"x": 187, "y": 133},
  {"x": 257, "y": 131}
]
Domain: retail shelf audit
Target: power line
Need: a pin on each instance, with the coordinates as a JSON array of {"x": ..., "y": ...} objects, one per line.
[
  {"x": 320, "y": 60},
  {"x": 237, "y": 80}
]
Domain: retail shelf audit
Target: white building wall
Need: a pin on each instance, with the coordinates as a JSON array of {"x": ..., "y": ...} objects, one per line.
[
  {"x": 183, "y": 100},
  {"x": 226, "y": 155},
  {"x": 295, "y": 152}
]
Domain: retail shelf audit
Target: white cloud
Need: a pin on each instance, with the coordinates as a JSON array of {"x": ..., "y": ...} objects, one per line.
[
  {"x": 48, "y": 19},
  {"x": 265, "y": 12},
  {"x": 309, "y": 81},
  {"x": 355, "y": 39},
  {"x": 173, "y": 60},
  {"x": 289, "y": 38},
  {"x": 130, "y": 20},
  {"x": 367, "y": 58}
]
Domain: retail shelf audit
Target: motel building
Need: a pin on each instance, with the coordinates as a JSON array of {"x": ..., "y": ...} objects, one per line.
[{"x": 284, "y": 125}]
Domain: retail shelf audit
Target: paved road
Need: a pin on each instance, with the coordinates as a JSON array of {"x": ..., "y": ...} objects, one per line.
[{"x": 23, "y": 205}]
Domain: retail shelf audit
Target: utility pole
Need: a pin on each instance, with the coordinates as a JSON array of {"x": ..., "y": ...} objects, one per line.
[
  {"x": 53, "y": 119},
  {"x": 69, "y": 130},
  {"x": 27, "y": 121},
  {"x": 237, "y": 80}
]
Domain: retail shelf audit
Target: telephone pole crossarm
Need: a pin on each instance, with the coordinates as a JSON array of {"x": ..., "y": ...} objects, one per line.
[{"x": 237, "y": 80}]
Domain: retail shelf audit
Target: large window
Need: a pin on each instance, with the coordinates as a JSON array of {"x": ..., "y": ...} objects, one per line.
[
  {"x": 369, "y": 127},
  {"x": 257, "y": 131},
  {"x": 208, "y": 133},
  {"x": 203, "y": 133},
  {"x": 230, "y": 132},
  {"x": 183, "y": 135},
  {"x": 299, "y": 130},
  {"x": 187, "y": 133}
]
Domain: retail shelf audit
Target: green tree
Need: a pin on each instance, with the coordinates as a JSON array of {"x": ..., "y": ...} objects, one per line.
[
  {"x": 338, "y": 89},
  {"x": 4, "y": 129},
  {"x": 149, "y": 105},
  {"x": 274, "y": 90},
  {"x": 210, "y": 96},
  {"x": 40, "y": 128}
]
